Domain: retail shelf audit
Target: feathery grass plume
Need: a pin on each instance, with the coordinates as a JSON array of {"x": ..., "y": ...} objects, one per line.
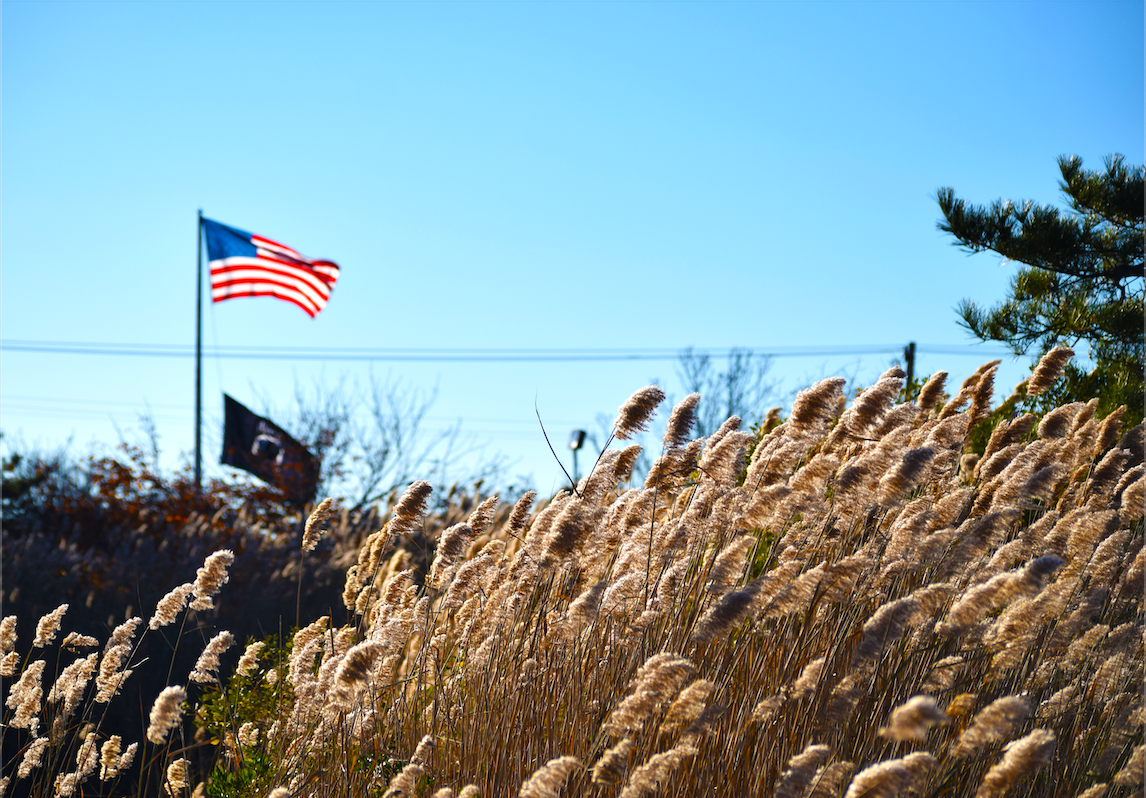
[
  {"x": 1095, "y": 791},
  {"x": 981, "y": 397},
  {"x": 805, "y": 684},
  {"x": 814, "y": 407},
  {"x": 610, "y": 768},
  {"x": 468, "y": 579},
  {"x": 548, "y": 780},
  {"x": 250, "y": 658},
  {"x": 998, "y": 591},
  {"x": 1107, "y": 559},
  {"x": 893, "y": 776},
  {"x": 724, "y": 461},
  {"x": 626, "y": 460},
  {"x": 944, "y": 674},
  {"x": 176, "y": 777},
  {"x": 911, "y": 721},
  {"x": 801, "y": 769},
  {"x": 634, "y": 415},
  {"x": 405, "y": 782},
  {"x": 354, "y": 669},
  {"x": 165, "y": 713},
  {"x": 312, "y": 532},
  {"x": 569, "y": 528},
  {"x": 74, "y": 641},
  {"x": 32, "y": 757},
  {"x": 1112, "y": 675},
  {"x": 846, "y": 694},
  {"x": 87, "y": 760},
  {"x": 687, "y": 707},
  {"x": 1008, "y": 433},
  {"x": 905, "y": 476},
  {"x": 586, "y": 606},
  {"x": 962, "y": 705},
  {"x": 828, "y": 779},
  {"x": 655, "y": 773},
  {"x": 1020, "y": 758},
  {"x": 726, "y": 613},
  {"x": 482, "y": 515},
  {"x": 731, "y": 424},
  {"x": 680, "y": 422},
  {"x": 1058, "y": 422},
  {"x": 1049, "y": 368},
  {"x": 279, "y": 792},
  {"x": 903, "y": 415},
  {"x": 210, "y": 578},
  {"x": 207, "y": 666},
  {"x": 520, "y": 513},
  {"x": 767, "y": 709},
  {"x": 673, "y": 468},
  {"x": 110, "y": 679},
  {"x": 248, "y": 735},
  {"x": 71, "y": 684},
  {"x": 994, "y": 723},
  {"x": 469, "y": 791},
  {"x": 8, "y": 656},
  {"x": 974, "y": 536},
  {"x": 410, "y": 508},
  {"x": 883, "y": 628},
  {"x": 729, "y": 564},
  {"x": 451, "y": 546},
  {"x": 932, "y": 391},
  {"x": 796, "y": 595},
  {"x": 1132, "y": 774},
  {"x": 655, "y": 683},
  {"x": 48, "y": 626},
  {"x": 872, "y": 403},
  {"x": 1109, "y": 429},
  {"x": 1131, "y": 499},
  {"x": 992, "y": 463}
]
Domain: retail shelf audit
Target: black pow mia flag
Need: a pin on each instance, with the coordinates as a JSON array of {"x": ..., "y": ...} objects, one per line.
[{"x": 260, "y": 446}]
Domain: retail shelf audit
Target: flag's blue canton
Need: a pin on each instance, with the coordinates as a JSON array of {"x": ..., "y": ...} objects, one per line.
[{"x": 227, "y": 242}]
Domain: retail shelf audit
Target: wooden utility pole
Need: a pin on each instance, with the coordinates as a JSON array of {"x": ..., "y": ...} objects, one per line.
[{"x": 909, "y": 359}]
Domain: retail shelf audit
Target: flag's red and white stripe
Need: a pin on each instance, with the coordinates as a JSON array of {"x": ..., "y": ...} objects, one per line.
[{"x": 278, "y": 271}]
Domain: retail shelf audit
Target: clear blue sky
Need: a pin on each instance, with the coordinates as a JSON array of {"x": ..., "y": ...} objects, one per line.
[{"x": 621, "y": 175}]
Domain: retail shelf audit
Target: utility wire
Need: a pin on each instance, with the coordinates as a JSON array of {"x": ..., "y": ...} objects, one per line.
[{"x": 460, "y": 355}]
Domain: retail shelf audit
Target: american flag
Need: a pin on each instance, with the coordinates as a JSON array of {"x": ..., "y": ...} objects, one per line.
[{"x": 244, "y": 264}]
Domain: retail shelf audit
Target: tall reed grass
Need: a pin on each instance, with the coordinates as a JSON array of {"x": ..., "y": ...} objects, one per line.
[{"x": 849, "y": 604}]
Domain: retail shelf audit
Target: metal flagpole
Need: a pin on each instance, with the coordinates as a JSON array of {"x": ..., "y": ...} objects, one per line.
[{"x": 199, "y": 354}]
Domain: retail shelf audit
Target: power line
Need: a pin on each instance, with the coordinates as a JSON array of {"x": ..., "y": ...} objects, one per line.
[{"x": 430, "y": 355}]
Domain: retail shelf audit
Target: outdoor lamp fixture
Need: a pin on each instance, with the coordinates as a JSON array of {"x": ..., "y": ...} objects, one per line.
[{"x": 576, "y": 441}]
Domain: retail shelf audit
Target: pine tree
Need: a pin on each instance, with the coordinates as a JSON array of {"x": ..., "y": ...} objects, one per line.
[{"x": 1081, "y": 279}]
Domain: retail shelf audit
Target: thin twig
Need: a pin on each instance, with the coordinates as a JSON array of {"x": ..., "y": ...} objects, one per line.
[{"x": 555, "y": 457}]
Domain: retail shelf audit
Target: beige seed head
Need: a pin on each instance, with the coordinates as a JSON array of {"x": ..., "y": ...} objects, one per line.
[
  {"x": 32, "y": 757},
  {"x": 75, "y": 641},
  {"x": 250, "y": 659},
  {"x": 312, "y": 532},
  {"x": 210, "y": 578},
  {"x": 176, "y": 777},
  {"x": 795, "y": 780},
  {"x": 680, "y": 422},
  {"x": 911, "y": 721},
  {"x": 547, "y": 781},
  {"x": 994, "y": 723},
  {"x": 1021, "y": 757},
  {"x": 166, "y": 713},
  {"x": 634, "y": 415},
  {"x": 610, "y": 768},
  {"x": 207, "y": 667},
  {"x": 1048, "y": 370},
  {"x": 48, "y": 626}
]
